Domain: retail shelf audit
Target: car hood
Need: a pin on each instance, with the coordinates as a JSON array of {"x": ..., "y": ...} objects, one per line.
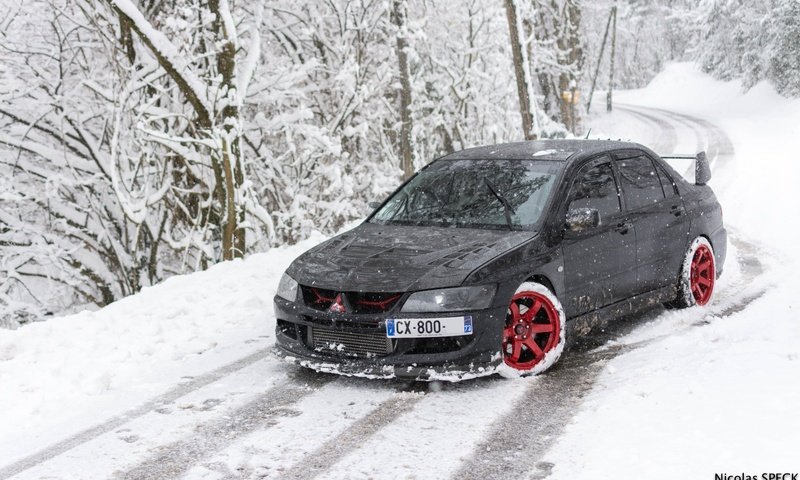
[{"x": 390, "y": 258}]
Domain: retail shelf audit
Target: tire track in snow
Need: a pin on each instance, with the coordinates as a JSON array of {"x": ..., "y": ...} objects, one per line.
[
  {"x": 432, "y": 437},
  {"x": 519, "y": 440},
  {"x": 718, "y": 141},
  {"x": 175, "y": 459},
  {"x": 719, "y": 147},
  {"x": 318, "y": 461},
  {"x": 117, "y": 421},
  {"x": 327, "y": 413},
  {"x": 667, "y": 139}
]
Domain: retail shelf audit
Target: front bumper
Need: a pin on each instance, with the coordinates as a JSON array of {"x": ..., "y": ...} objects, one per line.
[{"x": 444, "y": 358}]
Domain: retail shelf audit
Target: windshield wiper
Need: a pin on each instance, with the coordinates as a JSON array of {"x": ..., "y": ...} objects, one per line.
[{"x": 507, "y": 208}]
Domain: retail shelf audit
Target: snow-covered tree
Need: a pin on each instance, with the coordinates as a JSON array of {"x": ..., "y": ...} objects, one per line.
[{"x": 752, "y": 40}]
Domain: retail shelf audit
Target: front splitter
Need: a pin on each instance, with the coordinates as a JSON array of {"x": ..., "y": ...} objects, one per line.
[{"x": 365, "y": 369}]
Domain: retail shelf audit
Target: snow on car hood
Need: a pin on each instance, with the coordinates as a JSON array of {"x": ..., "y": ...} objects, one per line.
[{"x": 391, "y": 258}]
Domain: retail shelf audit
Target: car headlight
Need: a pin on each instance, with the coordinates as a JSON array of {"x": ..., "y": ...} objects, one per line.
[
  {"x": 450, "y": 299},
  {"x": 287, "y": 288}
]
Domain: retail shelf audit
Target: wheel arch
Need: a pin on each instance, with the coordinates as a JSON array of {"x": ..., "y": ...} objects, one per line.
[
  {"x": 690, "y": 238},
  {"x": 710, "y": 240},
  {"x": 693, "y": 235},
  {"x": 541, "y": 278}
]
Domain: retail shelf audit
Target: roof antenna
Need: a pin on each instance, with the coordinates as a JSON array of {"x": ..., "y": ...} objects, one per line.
[{"x": 588, "y": 133}]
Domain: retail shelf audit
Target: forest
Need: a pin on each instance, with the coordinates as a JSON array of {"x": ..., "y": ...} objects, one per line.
[{"x": 141, "y": 139}]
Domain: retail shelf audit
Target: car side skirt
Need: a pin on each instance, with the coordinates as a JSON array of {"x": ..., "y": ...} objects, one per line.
[{"x": 584, "y": 323}]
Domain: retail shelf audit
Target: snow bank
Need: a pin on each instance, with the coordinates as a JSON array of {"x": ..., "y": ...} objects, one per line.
[
  {"x": 56, "y": 376},
  {"x": 713, "y": 399}
]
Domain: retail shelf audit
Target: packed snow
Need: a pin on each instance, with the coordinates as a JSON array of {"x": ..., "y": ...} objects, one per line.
[{"x": 57, "y": 375}]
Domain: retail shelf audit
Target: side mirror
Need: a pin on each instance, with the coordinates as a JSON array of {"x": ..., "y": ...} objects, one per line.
[
  {"x": 580, "y": 219},
  {"x": 374, "y": 205}
]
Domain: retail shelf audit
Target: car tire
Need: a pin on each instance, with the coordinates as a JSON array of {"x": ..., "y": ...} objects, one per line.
[
  {"x": 532, "y": 342},
  {"x": 697, "y": 276}
]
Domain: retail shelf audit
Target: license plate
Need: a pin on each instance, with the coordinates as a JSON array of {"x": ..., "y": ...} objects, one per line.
[{"x": 428, "y": 327}]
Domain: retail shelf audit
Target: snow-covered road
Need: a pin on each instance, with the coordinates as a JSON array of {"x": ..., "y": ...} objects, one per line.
[{"x": 258, "y": 418}]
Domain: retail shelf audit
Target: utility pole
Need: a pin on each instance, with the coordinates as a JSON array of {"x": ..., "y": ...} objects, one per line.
[
  {"x": 613, "y": 50},
  {"x": 611, "y": 16}
]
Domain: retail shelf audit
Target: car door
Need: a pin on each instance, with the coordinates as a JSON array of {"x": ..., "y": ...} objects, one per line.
[
  {"x": 657, "y": 212},
  {"x": 599, "y": 263}
]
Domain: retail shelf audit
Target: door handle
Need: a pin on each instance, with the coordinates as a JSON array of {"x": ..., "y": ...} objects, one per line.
[
  {"x": 676, "y": 210},
  {"x": 623, "y": 227}
]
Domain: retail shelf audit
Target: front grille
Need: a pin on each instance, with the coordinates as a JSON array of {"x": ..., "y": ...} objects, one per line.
[
  {"x": 349, "y": 343},
  {"x": 353, "y": 302},
  {"x": 373, "y": 302},
  {"x": 318, "y": 298}
]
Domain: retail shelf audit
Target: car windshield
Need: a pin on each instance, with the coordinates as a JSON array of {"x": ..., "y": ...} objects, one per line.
[{"x": 499, "y": 194}]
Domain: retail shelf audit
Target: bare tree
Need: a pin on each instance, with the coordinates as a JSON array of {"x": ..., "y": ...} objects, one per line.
[
  {"x": 217, "y": 119},
  {"x": 126, "y": 163}
]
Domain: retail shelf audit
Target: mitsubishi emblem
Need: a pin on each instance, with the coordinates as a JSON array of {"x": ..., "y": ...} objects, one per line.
[{"x": 337, "y": 306}]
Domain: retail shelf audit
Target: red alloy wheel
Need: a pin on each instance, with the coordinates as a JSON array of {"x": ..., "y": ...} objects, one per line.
[
  {"x": 702, "y": 275},
  {"x": 532, "y": 329}
]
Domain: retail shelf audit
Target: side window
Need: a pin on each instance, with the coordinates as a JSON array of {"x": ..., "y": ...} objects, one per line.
[
  {"x": 640, "y": 183},
  {"x": 596, "y": 188},
  {"x": 666, "y": 183}
]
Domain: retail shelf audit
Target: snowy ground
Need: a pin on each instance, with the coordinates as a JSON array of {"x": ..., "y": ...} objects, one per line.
[{"x": 177, "y": 381}]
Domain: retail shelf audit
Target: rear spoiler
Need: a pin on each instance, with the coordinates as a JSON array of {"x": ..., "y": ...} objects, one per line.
[{"x": 702, "y": 170}]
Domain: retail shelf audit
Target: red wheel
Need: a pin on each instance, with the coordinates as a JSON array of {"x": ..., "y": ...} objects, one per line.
[
  {"x": 534, "y": 333},
  {"x": 698, "y": 275},
  {"x": 702, "y": 274}
]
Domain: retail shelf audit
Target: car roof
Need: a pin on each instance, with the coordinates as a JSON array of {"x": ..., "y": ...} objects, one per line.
[{"x": 554, "y": 150}]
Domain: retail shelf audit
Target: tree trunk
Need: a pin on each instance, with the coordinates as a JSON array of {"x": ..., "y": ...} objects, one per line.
[
  {"x": 520, "y": 72},
  {"x": 233, "y": 239},
  {"x": 572, "y": 61},
  {"x": 126, "y": 39},
  {"x": 545, "y": 30},
  {"x": 399, "y": 20}
]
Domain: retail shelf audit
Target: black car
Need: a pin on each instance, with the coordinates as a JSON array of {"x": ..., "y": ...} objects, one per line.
[{"x": 481, "y": 260}]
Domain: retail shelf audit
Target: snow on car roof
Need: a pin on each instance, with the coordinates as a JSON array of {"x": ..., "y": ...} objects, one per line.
[{"x": 558, "y": 150}]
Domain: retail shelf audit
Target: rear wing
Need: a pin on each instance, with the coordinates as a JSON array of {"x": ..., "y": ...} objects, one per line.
[{"x": 702, "y": 170}]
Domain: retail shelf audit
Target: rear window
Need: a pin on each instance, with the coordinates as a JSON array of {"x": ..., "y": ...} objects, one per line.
[
  {"x": 666, "y": 182},
  {"x": 641, "y": 185}
]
